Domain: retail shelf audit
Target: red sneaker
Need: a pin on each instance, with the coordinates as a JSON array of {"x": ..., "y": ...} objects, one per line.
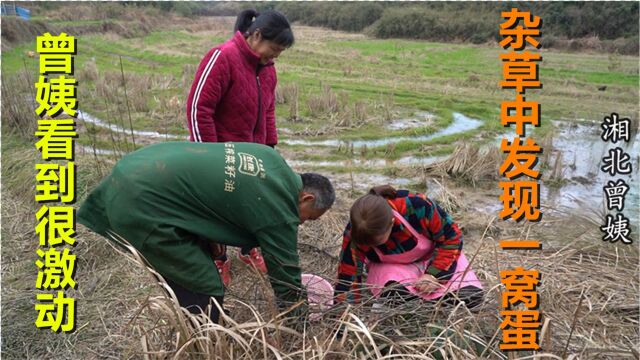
[
  {"x": 224, "y": 269},
  {"x": 253, "y": 259}
]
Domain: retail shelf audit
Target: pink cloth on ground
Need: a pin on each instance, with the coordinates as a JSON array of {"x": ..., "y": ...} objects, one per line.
[
  {"x": 407, "y": 267},
  {"x": 319, "y": 294}
]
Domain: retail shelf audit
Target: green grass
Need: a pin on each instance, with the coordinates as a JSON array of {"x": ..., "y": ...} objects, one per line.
[
  {"x": 594, "y": 77},
  {"x": 15, "y": 59},
  {"x": 374, "y": 47},
  {"x": 107, "y": 56},
  {"x": 411, "y": 75},
  {"x": 169, "y": 37}
]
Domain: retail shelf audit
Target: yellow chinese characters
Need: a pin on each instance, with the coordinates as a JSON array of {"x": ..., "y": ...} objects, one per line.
[
  {"x": 520, "y": 196},
  {"x": 520, "y": 72},
  {"x": 56, "y": 94},
  {"x": 56, "y": 139},
  {"x": 519, "y": 326},
  {"x": 55, "y": 183}
]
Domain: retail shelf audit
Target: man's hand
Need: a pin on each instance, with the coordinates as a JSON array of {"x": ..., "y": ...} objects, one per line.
[{"x": 427, "y": 283}]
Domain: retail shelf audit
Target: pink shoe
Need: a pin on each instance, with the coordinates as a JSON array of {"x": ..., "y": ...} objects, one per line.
[
  {"x": 254, "y": 259},
  {"x": 224, "y": 269}
]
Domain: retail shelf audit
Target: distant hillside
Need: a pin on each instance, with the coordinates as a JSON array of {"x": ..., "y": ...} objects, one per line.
[
  {"x": 596, "y": 26},
  {"x": 610, "y": 26}
]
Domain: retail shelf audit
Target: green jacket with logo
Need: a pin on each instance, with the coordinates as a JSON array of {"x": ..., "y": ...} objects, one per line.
[{"x": 163, "y": 198}]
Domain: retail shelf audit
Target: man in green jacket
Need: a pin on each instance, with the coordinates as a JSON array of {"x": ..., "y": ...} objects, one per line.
[{"x": 172, "y": 200}]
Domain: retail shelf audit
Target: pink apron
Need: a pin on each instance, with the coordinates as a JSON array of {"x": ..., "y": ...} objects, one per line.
[{"x": 405, "y": 268}]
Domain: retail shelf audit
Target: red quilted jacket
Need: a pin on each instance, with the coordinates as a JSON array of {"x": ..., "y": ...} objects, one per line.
[{"x": 232, "y": 97}]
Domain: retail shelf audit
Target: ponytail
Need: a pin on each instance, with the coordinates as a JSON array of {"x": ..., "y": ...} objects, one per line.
[
  {"x": 244, "y": 20},
  {"x": 272, "y": 24}
]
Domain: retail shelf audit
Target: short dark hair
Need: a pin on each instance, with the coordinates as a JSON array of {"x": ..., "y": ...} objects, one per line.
[
  {"x": 272, "y": 24},
  {"x": 321, "y": 188}
]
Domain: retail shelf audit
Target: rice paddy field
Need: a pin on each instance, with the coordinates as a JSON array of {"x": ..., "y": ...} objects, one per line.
[{"x": 364, "y": 112}]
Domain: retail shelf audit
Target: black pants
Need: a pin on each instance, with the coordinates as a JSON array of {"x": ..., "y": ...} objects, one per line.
[
  {"x": 195, "y": 302},
  {"x": 397, "y": 294}
]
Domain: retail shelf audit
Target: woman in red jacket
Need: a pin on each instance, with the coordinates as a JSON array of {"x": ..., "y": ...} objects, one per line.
[{"x": 232, "y": 97}]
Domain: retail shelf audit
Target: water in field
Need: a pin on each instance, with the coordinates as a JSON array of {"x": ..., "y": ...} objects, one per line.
[
  {"x": 379, "y": 163},
  {"x": 460, "y": 124},
  {"x": 88, "y": 118},
  {"x": 578, "y": 147},
  {"x": 88, "y": 150},
  {"x": 420, "y": 119},
  {"x": 581, "y": 151}
]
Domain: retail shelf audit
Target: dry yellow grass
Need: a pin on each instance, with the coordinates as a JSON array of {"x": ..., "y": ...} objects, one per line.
[
  {"x": 579, "y": 312},
  {"x": 124, "y": 314}
]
